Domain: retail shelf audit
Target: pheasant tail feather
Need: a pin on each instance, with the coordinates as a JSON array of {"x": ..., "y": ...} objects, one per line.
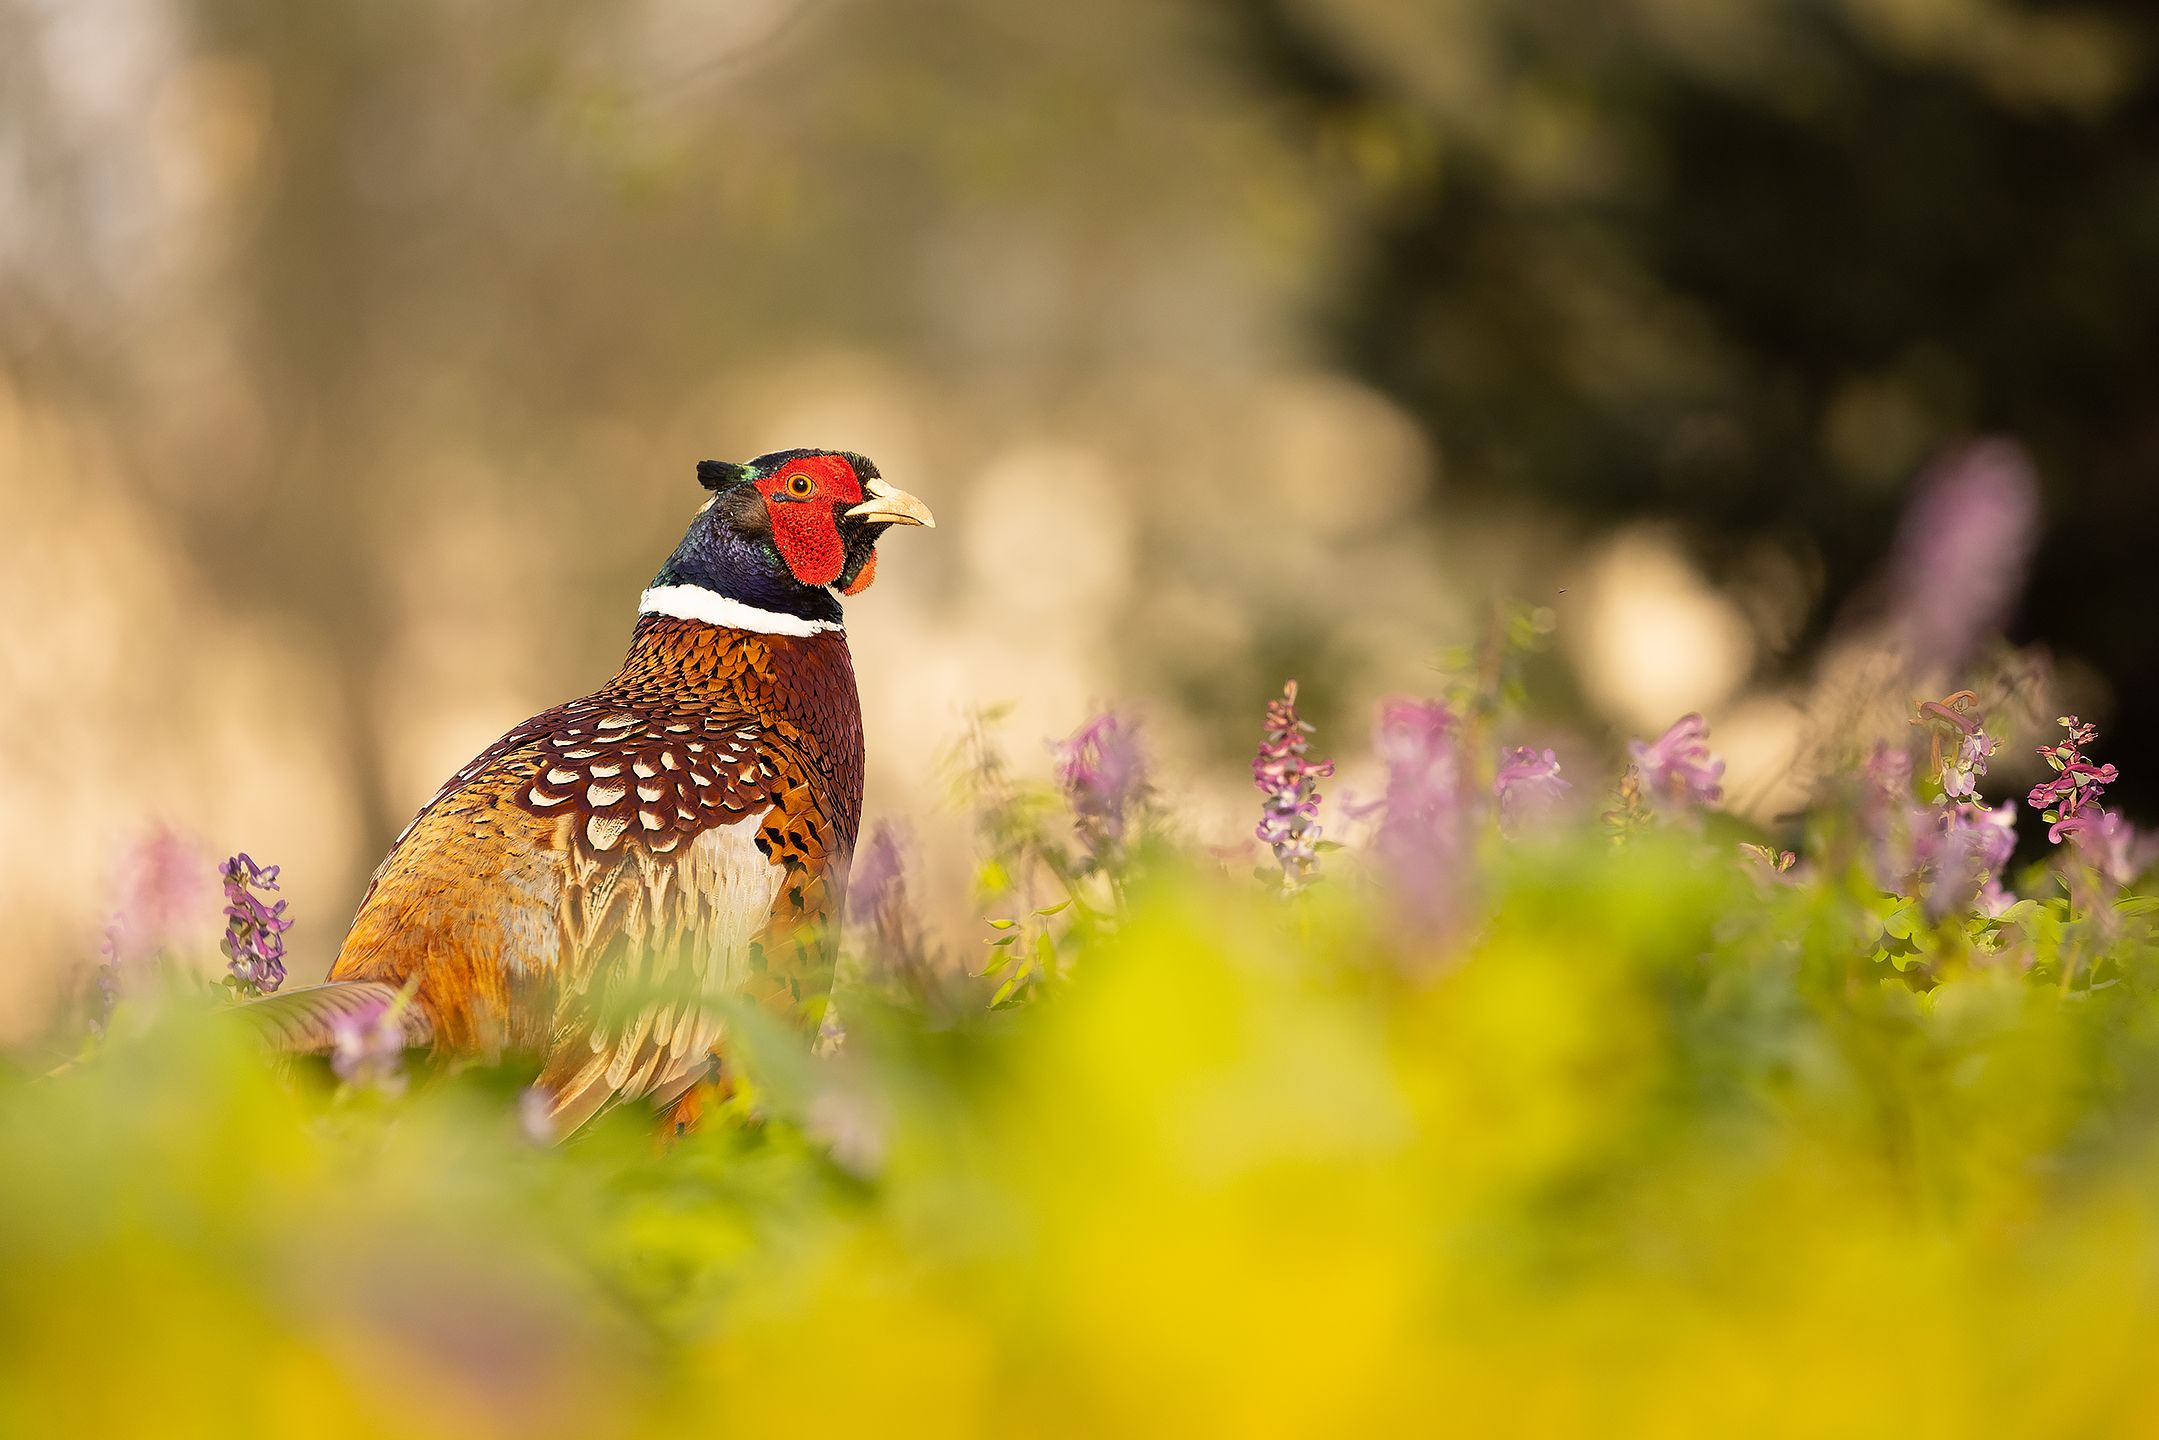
[{"x": 305, "y": 1021}]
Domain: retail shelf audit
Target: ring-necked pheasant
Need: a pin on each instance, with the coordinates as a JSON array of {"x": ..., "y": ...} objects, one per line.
[{"x": 596, "y": 878}]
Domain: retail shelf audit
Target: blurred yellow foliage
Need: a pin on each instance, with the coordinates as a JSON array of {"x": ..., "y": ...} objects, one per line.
[{"x": 1646, "y": 1159}]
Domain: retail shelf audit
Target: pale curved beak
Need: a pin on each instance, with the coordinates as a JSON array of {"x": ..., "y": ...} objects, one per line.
[{"x": 888, "y": 502}]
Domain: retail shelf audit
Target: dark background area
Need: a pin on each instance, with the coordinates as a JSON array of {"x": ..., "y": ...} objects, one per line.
[{"x": 1874, "y": 255}]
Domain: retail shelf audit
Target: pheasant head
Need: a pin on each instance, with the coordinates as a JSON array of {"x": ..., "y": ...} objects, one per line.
[{"x": 784, "y": 535}]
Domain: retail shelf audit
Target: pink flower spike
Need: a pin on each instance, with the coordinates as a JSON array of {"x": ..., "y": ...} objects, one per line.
[
  {"x": 1103, "y": 775},
  {"x": 2077, "y": 784},
  {"x": 1420, "y": 839},
  {"x": 1678, "y": 773},
  {"x": 367, "y": 1050},
  {"x": 2113, "y": 846},
  {"x": 254, "y": 943},
  {"x": 1288, "y": 783},
  {"x": 1961, "y": 853},
  {"x": 1528, "y": 788},
  {"x": 1962, "y": 551}
]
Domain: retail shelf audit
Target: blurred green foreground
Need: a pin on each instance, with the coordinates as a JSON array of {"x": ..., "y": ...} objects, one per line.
[{"x": 1651, "y": 1153}]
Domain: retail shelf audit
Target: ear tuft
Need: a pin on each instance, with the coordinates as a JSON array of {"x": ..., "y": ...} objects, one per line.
[{"x": 719, "y": 474}]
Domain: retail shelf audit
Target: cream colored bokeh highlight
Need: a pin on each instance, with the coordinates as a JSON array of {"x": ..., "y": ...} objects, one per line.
[
  {"x": 1650, "y": 637},
  {"x": 1761, "y": 738},
  {"x": 131, "y": 701},
  {"x": 467, "y": 656}
]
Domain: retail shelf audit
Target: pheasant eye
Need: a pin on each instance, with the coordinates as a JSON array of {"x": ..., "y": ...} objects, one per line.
[{"x": 800, "y": 486}]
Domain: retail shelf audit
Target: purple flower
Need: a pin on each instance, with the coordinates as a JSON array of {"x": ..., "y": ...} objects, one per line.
[
  {"x": 877, "y": 902},
  {"x": 1103, "y": 775},
  {"x": 1888, "y": 772},
  {"x": 1528, "y": 788},
  {"x": 877, "y": 892},
  {"x": 878, "y": 882},
  {"x": 1961, "y": 551},
  {"x": 2078, "y": 784},
  {"x": 1956, "y": 719},
  {"x": 1889, "y": 818},
  {"x": 1421, "y": 834},
  {"x": 367, "y": 1049},
  {"x": 1964, "y": 765},
  {"x": 165, "y": 904},
  {"x": 2111, "y": 845},
  {"x": 1676, "y": 771},
  {"x": 1960, "y": 852},
  {"x": 254, "y": 943},
  {"x": 1288, "y": 784},
  {"x": 1949, "y": 852}
]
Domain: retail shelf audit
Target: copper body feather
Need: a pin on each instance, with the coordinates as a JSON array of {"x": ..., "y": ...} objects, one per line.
[{"x": 592, "y": 883}]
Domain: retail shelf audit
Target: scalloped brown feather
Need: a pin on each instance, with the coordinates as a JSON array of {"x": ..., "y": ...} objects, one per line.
[{"x": 591, "y": 884}]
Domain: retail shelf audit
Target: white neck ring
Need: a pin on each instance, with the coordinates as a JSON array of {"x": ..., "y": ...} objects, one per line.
[{"x": 695, "y": 602}]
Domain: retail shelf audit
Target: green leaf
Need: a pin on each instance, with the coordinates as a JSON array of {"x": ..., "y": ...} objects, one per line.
[
  {"x": 1017, "y": 978},
  {"x": 1898, "y": 951}
]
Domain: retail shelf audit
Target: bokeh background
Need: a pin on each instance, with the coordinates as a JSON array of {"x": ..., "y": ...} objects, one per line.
[{"x": 354, "y": 358}]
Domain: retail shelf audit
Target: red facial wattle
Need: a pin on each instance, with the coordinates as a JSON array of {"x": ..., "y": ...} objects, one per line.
[
  {"x": 805, "y": 526},
  {"x": 809, "y": 542},
  {"x": 864, "y": 578}
]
